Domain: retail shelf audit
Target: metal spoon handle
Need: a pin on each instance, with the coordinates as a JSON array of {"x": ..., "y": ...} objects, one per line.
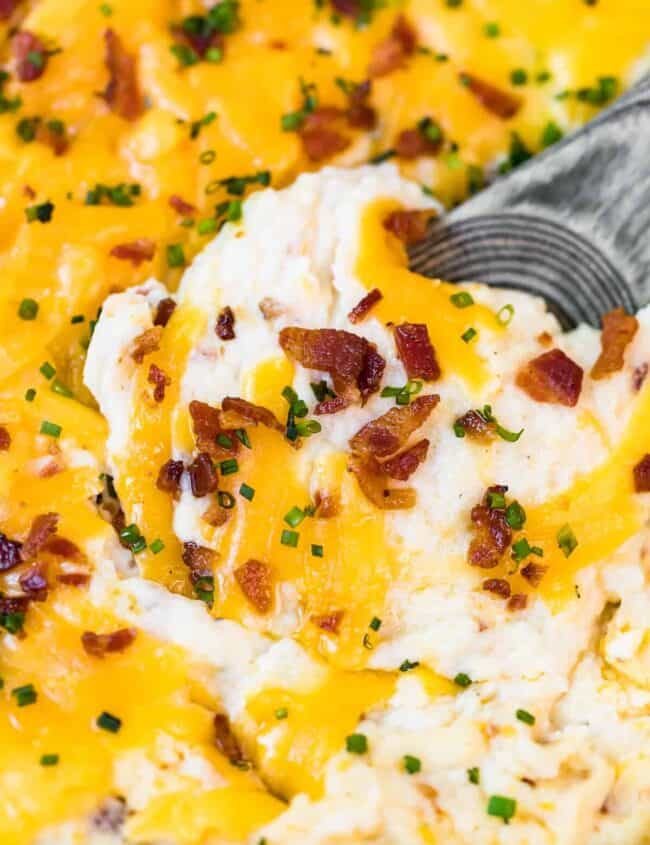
[{"x": 572, "y": 225}]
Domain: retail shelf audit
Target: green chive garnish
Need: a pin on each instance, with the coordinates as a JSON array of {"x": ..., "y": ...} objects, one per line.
[
  {"x": 28, "y": 309},
  {"x": 25, "y": 695},
  {"x": 175, "y": 255},
  {"x": 229, "y": 466},
  {"x": 30, "y": 394},
  {"x": 316, "y": 550},
  {"x": 247, "y": 492},
  {"x": 375, "y": 623},
  {"x": 356, "y": 743},
  {"x": 281, "y": 713},
  {"x": 50, "y": 428},
  {"x": 504, "y": 808},
  {"x": 515, "y": 515},
  {"x": 157, "y": 546},
  {"x": 289, "y": 538},
  {"x": 505, "y": 314},
  {"x": 412, "y": 765},
  {"x": 108, "y": 722},
  {"x": 473, "y": 775},
  {"x": 525, "y": 717},
  {"x": 469, "y": 335},
  {"x": 407, "y": 665},
  {"x": 49, "y": 759},
  {"x": 47, "y": 370},
  {"x": 462, "y": 680},
  {"x": 567, "y": 540},
  {"x": 462, "y": 299}
]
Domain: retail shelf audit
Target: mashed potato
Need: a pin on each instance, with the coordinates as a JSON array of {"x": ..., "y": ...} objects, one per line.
[{"x": 386, "y": 687}]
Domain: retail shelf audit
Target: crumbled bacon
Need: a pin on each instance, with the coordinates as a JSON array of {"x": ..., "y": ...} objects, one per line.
[
  {"x": 350, "y": 8},
  {"x": 331, "y": 405},
  {"x": 412, "y": 143},
  {"x": 110, "y": 817},
  {"x": 199, "y": 560},
  {"x": 215, "y": 515},
  {"x": 533, "y": 573},
  {"x": 5, "y": 439},
  {"x": 474, "y": 425},
  {"x": 122, "y": 92},
  {"x": 326, "y": 504},
  {"x": 13, "y": 604},
  {"x": 618, "y": 330},
  {"x": 225, "y": 739},
  {"x": 142, "y": 249},
  {"x": 160, "y": 379},
  {"x": 385, "y": 435},
  {"x": 200, "y": 41},
  {"x": 146, "y": 343},
  {"x": 182, "y": 207},
  {"x": 33, "y": 582},
  {"x": 552, "y": 377},
  {"x": 409, "y": 226},
  {"x": 57, "y": 141},
  {"x": 393, "y": 52},
  {"x": 270, "y": 308},
  {"x": 353, "y": 363},
  {"x": 9, "y": 553},
  {"x": 361, "y": 309},
  {"x": 238, "y": 412},
  {"x": 225, "y": 325},
  {"x": 73, "y": 579},
  {"x": 498, "y": 586},
  {"x": 164, "y": 310},
  {"x": 319, "y": 135},
  {"x": 500, "y": 103},
  {"x": 42, "y": 528},
  {"x": 99, "y": 645},
  {"x": 330, "y": 622},
  {"x": 256, "y": 583},
  {"x": 30, "y": 55},
  {"x": 492, "y": 534},
  {"x": 206, "y": 422},
  {"x": 8, "y": 7},
  {"x": 169, "y": 477},
  {"x": 642, "y": 475},
  {"x": 517, "y": 602},
  {"x": 372, "y": 481},
  {"x": 402, "y": 466},
  {"x": 61, "y": 547},
  {"x": 203, "y": 475},
  {"x": 359, "y": 114},
  {"x": 416, "y": 352}
]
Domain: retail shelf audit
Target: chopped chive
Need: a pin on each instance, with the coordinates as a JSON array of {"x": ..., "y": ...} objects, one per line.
[
  {"x": 62, "y": 389},
  {"x": 459, "y": 431},
  {"x": 157, "y": 546},
  {"x": 224, "y": 440},
  {"x": 41, "y": 212},
  {"x": 462, "y": 680},
  {"x": 207, "y": 226},
  {"x": 242, "y": 435},
  {"x": 307, "y": 428},
  {"x": 106, "y": 10},
  {"x": 504, "y": 808},
  {"x": 77, "y": 318},
  {"x": 321, "y": 391},
  {"x": 375, "y": 623},
  {"x": 505, "y": 315},
  {"x": 567, "y": 540},
  {"x": 234, "y": 212},
  {"x": 289, "y": 538},
  {"x": 525, "y": 716},
  {"x": 474, "y": 775},
  {"x": 316, "y": 550},
  {"x": 492, "y": 29},
  {"x": 519, "y": 76},
  {"x": 407, "y": 665},
  {"x": 496, "y": 500},
  {"x": 281, "y": 713},
  {"x": 30, "y": 394},
  {"x": 25, "y": 695},
  {"x": 49, "y": 759},
  {"x": 50, "y": 428},
  {"x": 380, "y": 158},
  {"x": 356, "y": 743},
  {"x": 204, "y": 589},
  {"x": 175, "y": 255},
  {"x": 412, "y": 765},
  {"x": 229, "y": 466},
  {"x": 186, "y": 55},
  {"x": 462, "y": 299},
  {"x": 551, "y": 134},
  {"x": 469, "y": 335},
  {"x": 47, "y": 370},
  {"x": 522, "y": 549},
  {"x": 226, "y": 500},
  {"x": 207, "y": 156},
  {"x": 108, "y": 722},
  {"x": 247, "y": 492},
  {"x": 12, "y": 622},
  {"x": 515, "y": 515},
  {"x": 509, "y": 436},
  {"x": 28, "y": 309}
]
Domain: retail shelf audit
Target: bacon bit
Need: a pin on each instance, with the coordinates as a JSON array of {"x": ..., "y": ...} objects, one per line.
[
  {"x": 618, "y": 330},
  {"x": 331, "y": 405},
  {"x": 350, "y": 8},
  {"x": 642, "y": 475},
  {"x": 500, "y": 103},
  {"x": 517, "y": 602},
  {"x": 327, "y": 505},
  {"x": 5, "y": 439},
  {"x": 319, "y": 140},
  {"x": 215, "y": 515},
  {"x": 73, "y": 579},
  {"x": 416, "y": 352},
  {"x": 61, "y": 547},
  {"x": 493, "y": 535},
  {"x": 169, "y": 477},
  {"x": 56, "y": 141},
  {"x": 183, "y": 208},
  {"x": 200, "y": 42},
  {"x": 225, "y": 739},
  {"x": 225, "y": 326},
  {"x": 402, "y": 466},
  {"x": 203, "y": 475},
  {"x": 33, "y": 582},
  {"x": 387, "y": 434},
  {"x": 122, "y": 92},
  {"x": 255, "y": 581},
  {"x": 353, "y": 363},
  {"x": 165, "y": 309},
  {"x": 329, "y": 622},
  {"x": 160, "y": 380},
  {"x": 199, "y": 560},
  {"x": 42, "y": 528},
  {"x": 533, "y": 573},
  {"x": 9, "y": 553},
  {"x": 639, "y": 376},
  {"x": 552, "y": 377},
  {"x": 412, "y": 143},
  {"x": 29, "y": 192},
  {"x": 236, "y": 410},
  {"x": 409, "y": 226},
  {"x": 271, "y": 308},
  {"x": 142, "y": 249},
  {"x": 498, "y": 586},
  {"x": 372, "y": 481},
  {"x": 30, "y": 55},
  {"x": 146, "y": 343},
  {"x": 206, "y": 422},
  {"x": 110, "y": 817},
  {"x": 361, "y": 309},
  {"x": 8, "y": 7},
  {"x": 13, "y": 604},
  {"x": 474, "y": 425},
  {"x": 360, "y": 115},
  {"x": 51, "y": 468},
  {"x": 544, "y": 339},
  {"x": 392, "y": 53},
  {"x": 99, "y": 645}
]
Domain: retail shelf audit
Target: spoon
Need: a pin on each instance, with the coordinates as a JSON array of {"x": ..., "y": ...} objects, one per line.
[{"x": 572, "y": 225}]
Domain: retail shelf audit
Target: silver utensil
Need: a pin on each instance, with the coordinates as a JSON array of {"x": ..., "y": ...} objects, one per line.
[{"x": 572, "y": 225}]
